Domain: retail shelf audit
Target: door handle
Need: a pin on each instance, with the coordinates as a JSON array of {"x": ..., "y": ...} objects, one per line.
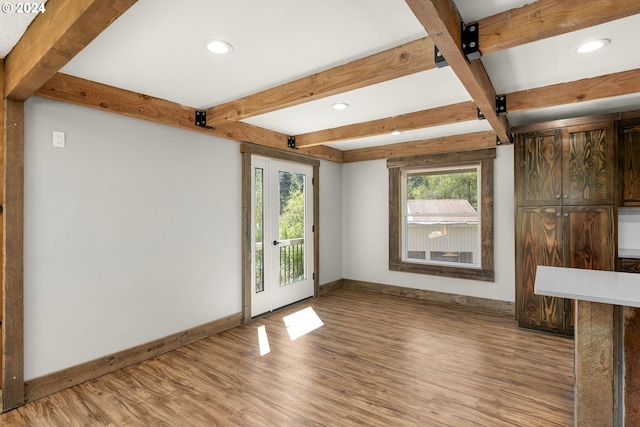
[{"x": 276, "y": 243}]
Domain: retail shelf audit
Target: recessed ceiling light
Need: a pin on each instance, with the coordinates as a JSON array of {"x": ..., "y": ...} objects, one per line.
[
  {"x": 219, "y": 47},
  {"x": 340, "y": 106},
  {"x": 593, "y": 45},
  {"x": 396, "y": 132}
]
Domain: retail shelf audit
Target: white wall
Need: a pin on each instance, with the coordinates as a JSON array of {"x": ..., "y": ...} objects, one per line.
[
  {"x": 365, "y": 226},
  {"x": 330, "y": 222},
  {"x": 133, "y": 232}
]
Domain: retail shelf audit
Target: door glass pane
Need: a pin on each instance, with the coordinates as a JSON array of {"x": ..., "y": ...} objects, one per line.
[
  {"x": 259, "y": 229},
  {"x": 291, "y": 223}
]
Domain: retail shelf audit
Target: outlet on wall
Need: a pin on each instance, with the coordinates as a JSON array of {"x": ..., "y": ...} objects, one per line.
[{"x": 58, "y": 139}]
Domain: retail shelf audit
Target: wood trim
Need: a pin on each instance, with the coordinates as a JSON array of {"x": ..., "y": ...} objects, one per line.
[
  {"x": 69, "y": 377},
  {"x": 246, "y": 197},
  {"x": 547, "y": 18},
  {"x": 486, "y": 228},
  {"x": 455, "y": 113},
  {"x": 316, "y": 231},
  {"x": 2, "y": 145},
  {"x": 327, "y": 288},
  {"x": 410, "y": 58},
  {"x": 443, "y": 158},
  {"x": 464, "y": 142},
  {"x": 440, "y": 18},
  {"x": 247, "y": 151},
  {"x": 54, "y": 38},
  {"x": 278, "y": 154},
  {"x": 13, "y": 259},
  {"x": 432, "y": 296},
  {"x": 485, "y": 157}
]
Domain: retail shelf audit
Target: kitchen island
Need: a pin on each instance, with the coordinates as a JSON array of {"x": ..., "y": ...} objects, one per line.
[{"x": 607, "y": 341}]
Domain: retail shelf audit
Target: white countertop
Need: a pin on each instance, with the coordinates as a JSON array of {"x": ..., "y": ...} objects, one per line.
[{"x": 609, "y": 287}]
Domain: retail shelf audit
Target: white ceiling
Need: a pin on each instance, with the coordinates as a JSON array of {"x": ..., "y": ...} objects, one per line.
[{"x": 158, "y": 48}]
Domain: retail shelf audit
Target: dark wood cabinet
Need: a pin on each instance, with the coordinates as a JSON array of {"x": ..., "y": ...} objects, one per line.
[
  {"x": 570, "y": 166},
  {"x": 539, "y": 241},
  {"x": 570, "y": 236},
  {"x": 539, "y": 162},
  {"x": 589, "y": 164},
  {"x": 565, "y": 192},
  {"x": 630, "y": 165}
]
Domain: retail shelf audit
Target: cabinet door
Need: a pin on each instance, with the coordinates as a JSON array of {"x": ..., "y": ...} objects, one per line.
[
  {"x": 589, "y": 237},
  {"x": 588, "y": 164},
  {"x": 630, "y": 164},
  {"x": 540, "y": 242},
  {"x": 539, "y": 168}
]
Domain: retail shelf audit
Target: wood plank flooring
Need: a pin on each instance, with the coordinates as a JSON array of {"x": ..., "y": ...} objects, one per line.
[{"x": 377, "y": 361}]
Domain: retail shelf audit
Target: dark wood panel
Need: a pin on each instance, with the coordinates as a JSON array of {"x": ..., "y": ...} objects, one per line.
[
  {"x": 13, "y": 256},
  {"x": 539, "y": 168},
  {"x": 630, "y": 164},
  {"x": 588, "y": 160},
  {"x": 378, "y": 360},
  {"x": 630, "y": 265},
  {"x": 589, "y": 237},
  {"x": 540, "y": 242},
  {"x": 631, "y": 358}
]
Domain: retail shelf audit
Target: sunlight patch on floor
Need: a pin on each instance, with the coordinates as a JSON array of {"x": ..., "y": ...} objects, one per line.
[
  {"x": 302, "y": 322},
  {"x": 263, "y": 340}
]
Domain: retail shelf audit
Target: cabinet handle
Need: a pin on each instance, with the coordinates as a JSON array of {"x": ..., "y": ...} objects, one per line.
[
  {"x": 566, "y": 196},
  {"x": 558, "y": 215},
  {"x": 566, "y": 215},
  {"x": 557, "y": 196}
]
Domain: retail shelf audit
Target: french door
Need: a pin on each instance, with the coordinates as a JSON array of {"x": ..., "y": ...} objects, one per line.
[{"x": 282, "y": 233}]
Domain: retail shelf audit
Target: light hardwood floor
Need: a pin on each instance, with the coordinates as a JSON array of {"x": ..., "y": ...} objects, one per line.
[{"x": 377, "y": 361}]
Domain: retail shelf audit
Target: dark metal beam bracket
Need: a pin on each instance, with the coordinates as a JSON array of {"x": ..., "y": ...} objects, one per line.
[
  {"x": 470, "y": 35},
  {"x": 291, "y": 142},
  {"x": 499, "y": 142},
  {"x": 201, "y": 119},
  {"x": 501, "y": 105},
  {"x": 470, "y": 41},
  {"x": 438, "y": 58}
]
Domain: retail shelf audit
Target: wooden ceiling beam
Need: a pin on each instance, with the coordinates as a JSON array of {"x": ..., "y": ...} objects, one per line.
[
  {"x": 547, "y": 18},
  {"x": 455, "y": 113},
  {"x": 463, "y": 142},
  {"x": 536, "y": 21},
  {"x": 610, "y": 85},
  {"x": 90, "y": 94},
  {"x": 401, "y": 61},
  {"x": 442, "y": 22},
  {"x": 54, "y": 38}
]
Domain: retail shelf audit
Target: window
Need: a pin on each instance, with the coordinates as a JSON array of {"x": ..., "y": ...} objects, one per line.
[{"x": 441, "y": 214}]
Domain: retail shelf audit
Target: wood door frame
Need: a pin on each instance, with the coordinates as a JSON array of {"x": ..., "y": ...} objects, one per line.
[
  {"x": 247, "y": 151},
  {"x": 13, "y": 257}
]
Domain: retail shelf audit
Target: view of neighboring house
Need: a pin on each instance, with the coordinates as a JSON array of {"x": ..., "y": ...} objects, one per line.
[{"x": 442, "y": 230}]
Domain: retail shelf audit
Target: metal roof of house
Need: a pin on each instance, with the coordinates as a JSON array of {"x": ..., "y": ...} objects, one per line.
[{"x": 444, "y": 211}]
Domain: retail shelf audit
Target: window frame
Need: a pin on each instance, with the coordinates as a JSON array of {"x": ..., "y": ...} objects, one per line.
[{"x": 396, "y": 185}]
